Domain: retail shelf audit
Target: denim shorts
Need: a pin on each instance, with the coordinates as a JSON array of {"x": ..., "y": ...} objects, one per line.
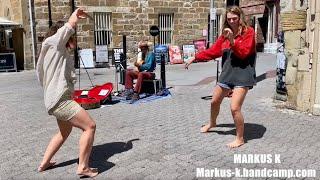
[{"x": 231, "y": 86}]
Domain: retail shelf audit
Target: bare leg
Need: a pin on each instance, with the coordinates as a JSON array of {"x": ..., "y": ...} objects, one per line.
[
  {"x": 237, "y": 100},
  {"x": 83, "y": 121},
  {"x": 218, "y": 94},
  {"x": 56, "y": 142}
]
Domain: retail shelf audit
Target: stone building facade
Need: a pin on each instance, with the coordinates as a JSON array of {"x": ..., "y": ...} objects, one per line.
[
  {"x": 132, "y": 18},
  {"x": 300, "y": 22},
  {"x": 18, "y": 12}
]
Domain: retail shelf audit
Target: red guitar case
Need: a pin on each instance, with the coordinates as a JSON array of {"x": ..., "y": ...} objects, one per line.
[{"x": 94, "y": 97}]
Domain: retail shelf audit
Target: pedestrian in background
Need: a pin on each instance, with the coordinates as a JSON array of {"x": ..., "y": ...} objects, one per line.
[
  {"x": 236, "y": 45},
  {"x": 56, "y": 74}
]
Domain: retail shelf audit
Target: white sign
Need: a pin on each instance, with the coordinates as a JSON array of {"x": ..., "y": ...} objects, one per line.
[
  {"x": 213, "y": 14},
  {"x": 188, "y": 52},
  {"x": 86, "y": 58},
  {"x": 102, "y": 54},
  {"x": 103, "y": 92}
]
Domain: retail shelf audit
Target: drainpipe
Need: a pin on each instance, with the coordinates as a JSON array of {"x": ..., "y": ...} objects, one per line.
[
  {"x": 76, "y": 57},
  {"x": 315, "y": 60},
  {"x": 211, "y": 23},
  {"x": 49, "y": 12},
  {"x": 32, "y": 33}
]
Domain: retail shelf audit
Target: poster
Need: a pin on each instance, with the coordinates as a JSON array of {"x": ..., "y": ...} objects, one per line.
[
  {"x": 188, "y": 52},
  {"x": 175, "y": 55},
  {"x": 86, "y": 58},
  {"x": 102, "y": 54},
  {"x": 200, "y": 44},
  {"x": 116, "y": 55},
  {"x": 159, "y": 50}
]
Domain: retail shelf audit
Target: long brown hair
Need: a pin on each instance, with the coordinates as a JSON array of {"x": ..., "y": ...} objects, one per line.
[
  {"x": 54, "y": 28},
  {"x": 237, "y": 11}
]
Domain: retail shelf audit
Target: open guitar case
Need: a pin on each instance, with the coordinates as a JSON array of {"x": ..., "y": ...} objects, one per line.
[{"x": 94, "y": 97}]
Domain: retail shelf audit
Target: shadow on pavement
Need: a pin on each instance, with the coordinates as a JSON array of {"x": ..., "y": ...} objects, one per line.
[
  {"x": 251, "y": 131},
  {"x": 101, "y": 153}
]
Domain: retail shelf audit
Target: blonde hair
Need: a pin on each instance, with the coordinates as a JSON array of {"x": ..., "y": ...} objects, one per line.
[{"x": 237, "y": 11}]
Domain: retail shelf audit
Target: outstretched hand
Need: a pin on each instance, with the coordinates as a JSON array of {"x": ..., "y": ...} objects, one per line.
[
  {"x": 80, "y": 13},
  {"x": 186, "y": 66}
]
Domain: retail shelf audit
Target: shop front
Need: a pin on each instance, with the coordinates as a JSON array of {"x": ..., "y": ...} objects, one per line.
[{"x": 11, "y": 46}]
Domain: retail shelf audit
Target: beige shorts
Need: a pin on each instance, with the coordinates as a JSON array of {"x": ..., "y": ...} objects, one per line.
[{"x": 65, "y": 110}]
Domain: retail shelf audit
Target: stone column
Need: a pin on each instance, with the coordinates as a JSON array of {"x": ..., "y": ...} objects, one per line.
[
  {"x": 315, "y": 83},
  {"x": 298, "y": 74}
]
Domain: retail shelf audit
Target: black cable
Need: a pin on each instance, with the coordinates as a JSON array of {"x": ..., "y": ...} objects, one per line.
[{"x": 86, "y": 72}]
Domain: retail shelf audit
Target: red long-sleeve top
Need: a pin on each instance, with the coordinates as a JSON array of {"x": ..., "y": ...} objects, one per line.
[{"x": 244, "y": 46}]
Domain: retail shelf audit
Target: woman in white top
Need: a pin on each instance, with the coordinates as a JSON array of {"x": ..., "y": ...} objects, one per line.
[{"x": 55, "y": 72}]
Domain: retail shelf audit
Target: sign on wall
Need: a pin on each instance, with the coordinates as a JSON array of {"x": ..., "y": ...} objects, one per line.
[
  {"x": 102, "y": 54},
  {"x": 8, "y": 62}
]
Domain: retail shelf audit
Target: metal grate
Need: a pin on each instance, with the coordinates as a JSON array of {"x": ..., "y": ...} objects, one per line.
[
  {"x": 166, "y": 28},
  {"x": 216, "y": 27},
  {"x": 102, "y": 28}
]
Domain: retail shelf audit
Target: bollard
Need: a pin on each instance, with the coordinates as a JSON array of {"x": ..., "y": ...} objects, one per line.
[{"x": 163, "y": 71}]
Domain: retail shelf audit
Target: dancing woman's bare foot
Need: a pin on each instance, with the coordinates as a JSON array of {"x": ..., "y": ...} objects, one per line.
[
  {"x": 44, "y": 167},
  {"x": 88, "y": 172},
  {"x": 236, "y": 143},
  {"x": 206, "y": 128}
]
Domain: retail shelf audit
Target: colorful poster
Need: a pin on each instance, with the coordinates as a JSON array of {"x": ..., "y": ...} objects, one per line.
[
  {"x": 188, "y": 52},
  {"x": 200, "y": 45},
  {"x": 175, "y": 55}
]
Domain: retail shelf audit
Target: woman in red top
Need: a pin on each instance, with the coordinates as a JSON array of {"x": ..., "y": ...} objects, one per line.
[{"x": 236, "y": 45}]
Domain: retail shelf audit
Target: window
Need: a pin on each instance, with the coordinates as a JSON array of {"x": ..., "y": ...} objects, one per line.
[
  {"x": 232, "y": 3},
  {"x": 166, "y": 28},
  {"x": 102, "y": 28}
]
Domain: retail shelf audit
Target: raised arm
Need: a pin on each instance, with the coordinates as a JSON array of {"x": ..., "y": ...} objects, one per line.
[{"x": 62, "y": 36}]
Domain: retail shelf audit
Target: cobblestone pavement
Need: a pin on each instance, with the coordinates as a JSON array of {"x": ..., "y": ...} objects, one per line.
[{"x": 160, "y": 139}]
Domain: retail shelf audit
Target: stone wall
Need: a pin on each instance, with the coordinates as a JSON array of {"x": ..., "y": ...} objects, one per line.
[
  {"x": 298, "y": 74},
  {"x": 132, "y": 18}
]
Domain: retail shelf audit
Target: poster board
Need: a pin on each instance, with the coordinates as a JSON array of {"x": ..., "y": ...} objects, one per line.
[
  {"x": 86, "y": 58},
  {"x": 102, "y": 54},
  {"x": 200, "y": 44},
  {"x": 189, "y": 52},
  {"x": 175, "y": 55},
  {"x": 8, "y": 62},
  {"x": 116, "y": 55},
  {"x": 159, "y": 50}
]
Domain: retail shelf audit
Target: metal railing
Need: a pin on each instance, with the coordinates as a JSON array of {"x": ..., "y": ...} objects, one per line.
[
  {"x": 102, "y": 28},
  {"x": 166, "y": 28}
]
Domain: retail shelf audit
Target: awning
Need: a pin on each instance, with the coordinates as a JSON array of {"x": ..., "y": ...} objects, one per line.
[{"x": 6, "y": 23}]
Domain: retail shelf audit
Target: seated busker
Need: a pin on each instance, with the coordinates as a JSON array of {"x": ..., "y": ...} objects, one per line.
[{"x": 144, "y": 67}]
